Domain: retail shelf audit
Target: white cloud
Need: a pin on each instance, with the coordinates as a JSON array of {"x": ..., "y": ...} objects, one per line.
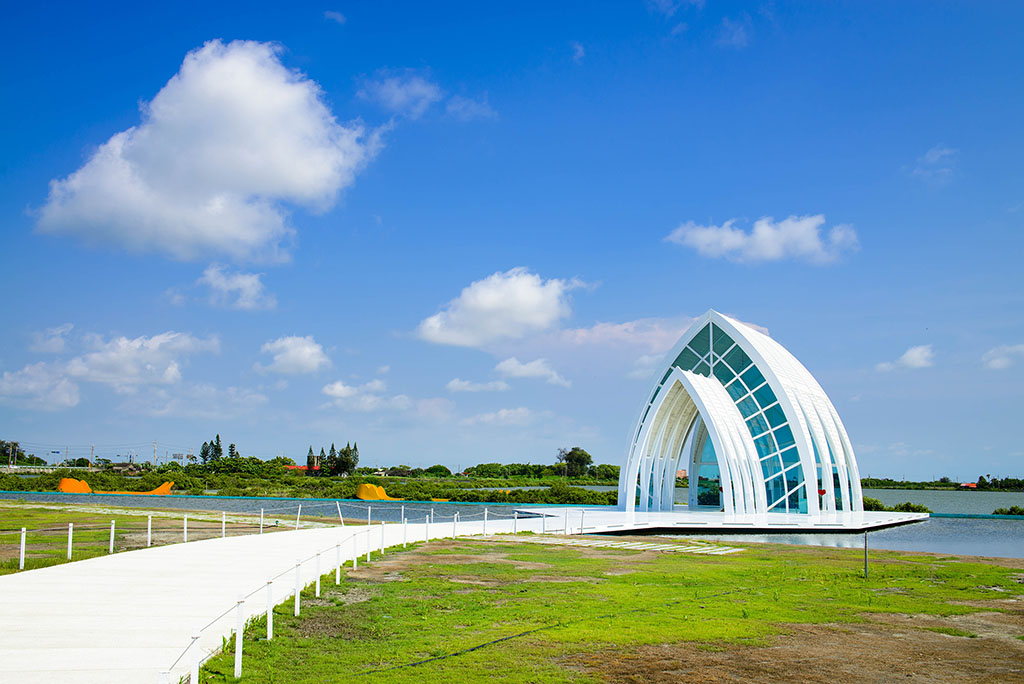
[
  {"x": 39, "y": 386},
  {"x": 369, "y": 397},
  {"x": 51, "y": 340},
  {"x": 236, "y": 290},
  {"x": 196, "y": 400},
  {"x": 921, "y": 356},
  {"x": 538, "y": 368},
  {"x": 457, "y": 385},
  {"x": 507, "y": 305},
  {"x": 383, "y": 370},
  {"x": 232, "y": 135},
  {"x": 294, "y": 355},
  {"x": 733, "y": 33},
  {"x": 339, "y": 390},
  {"x": 937, "y": 166},
  {"x": 999, "y": 358},
  {"x": 513, "y": 416},
  {"x": 797, "y": 237},
  {"x": 578, "y": 53},
  {"x": 644, "y": 367},
  {"x": 126, "y": 363},
  {"x": 336, "y": 17},
  {"x": 404, "y": 93},
  {"x": 466, "y": 109},
  {"x": 652, "y": 334},
  {"x": 174, "y": 297}
]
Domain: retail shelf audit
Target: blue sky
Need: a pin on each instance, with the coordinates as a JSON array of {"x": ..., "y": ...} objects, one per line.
[{"x": 467, "y": 233}]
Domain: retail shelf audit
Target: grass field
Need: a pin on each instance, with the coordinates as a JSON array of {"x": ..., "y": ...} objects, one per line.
[{"x": 508, "y": 611}]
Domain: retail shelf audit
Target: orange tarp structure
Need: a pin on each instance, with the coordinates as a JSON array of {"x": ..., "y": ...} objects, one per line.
[
  {"x": 70, "y": 485},
  {"x": 372, "y": 492}
]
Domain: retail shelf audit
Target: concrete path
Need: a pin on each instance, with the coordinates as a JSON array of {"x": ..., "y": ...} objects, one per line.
[{"x": 128, "y": 617}]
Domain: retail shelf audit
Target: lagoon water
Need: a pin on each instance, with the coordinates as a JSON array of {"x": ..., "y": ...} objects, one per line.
[{"x": 961, "y": 536}]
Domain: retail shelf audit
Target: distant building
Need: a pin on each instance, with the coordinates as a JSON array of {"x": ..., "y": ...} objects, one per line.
[
  {"x": 681, "y": 474},
  {"x": 968, "y": 485}
]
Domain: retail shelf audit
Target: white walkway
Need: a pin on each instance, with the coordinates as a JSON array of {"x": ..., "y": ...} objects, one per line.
[{"x": 127, "y": 617}]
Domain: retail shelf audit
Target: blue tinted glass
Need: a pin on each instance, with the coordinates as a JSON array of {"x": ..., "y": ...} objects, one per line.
[
  {"x": 723, "y": 373},
  {"x": 752, "y": 377},
  {"x": 775, "y": 415},
  {"x": 765, "y": 445},
  {"x": 770, "y": 466},
  {"x": 765, "y": 396},
  {"x": 775, "y": 488},
  {"x": 794, "y": 476},
  {"x": 784, "y": 436},
  {"x": 790, "y": 457},
  {"x": 757, "y": 425},
  {"x": 736, "y": 390},
  {"x": 737, "y": 359},
  {"x": 665, "y": 377},
  {"x": 701, "y": 342},
  {"x": 722, "y": 342},
  {"x": 686, "y": 359},
  {"x": 702, "y": 369},
  {"x": 747, "y": 407}
]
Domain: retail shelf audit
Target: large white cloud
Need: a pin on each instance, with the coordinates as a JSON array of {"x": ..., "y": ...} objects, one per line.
[
  {"x": 294, "y": 355},
  {"x": 228, "y": 138},
  {"x": 502, "y": 306},
  {"x": 126, "y": 363},
  {"x": 796, "y": 237}
]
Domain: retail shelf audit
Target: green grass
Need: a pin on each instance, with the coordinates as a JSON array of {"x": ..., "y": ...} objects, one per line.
[{"x": 581, "y": 601}]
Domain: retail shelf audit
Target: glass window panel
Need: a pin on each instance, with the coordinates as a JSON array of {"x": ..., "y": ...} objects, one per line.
[
  {"x": 723, "y": 373},
  {"x": 753, "y": 378},
  {"x": 686, "y": 359},
  {"x": 757, "y": 425},
  {"x": 665, "y": 377},
  {"x": 703, "y": 369},
  {"x": 722, "y": 342},
  {"x": 770, "y": 466},
  {"x": 701, "y": 342},
  {"x": 765, "y": 397},
  {"x": 736, "y": 390},
  {"x": 798, "y": 500},
  {"x": 794, "y": 476},
  {"x": 775, "y": 489},
  {"x": 775, "y": 415},
  {"x": 765, "y": 445},
  {"x": 747, "y": 407},
  {"x": 790, "y": 457},
  {"x": 738, "y": 359},
  {"x": 784, "y": 436}
]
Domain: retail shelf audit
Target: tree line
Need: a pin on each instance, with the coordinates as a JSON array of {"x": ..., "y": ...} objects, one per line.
[{"x": 335, "y": 462}]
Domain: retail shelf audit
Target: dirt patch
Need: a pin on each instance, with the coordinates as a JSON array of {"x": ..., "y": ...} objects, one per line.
[
  {"x": 490, "y": 557},
  {"x": 889, "y": 648},
  {"x": 333, "y": 622}
]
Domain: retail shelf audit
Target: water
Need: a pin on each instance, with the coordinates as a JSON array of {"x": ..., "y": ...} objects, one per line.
[
  {"x": 953, "y": 536},
  {"x": 959, "y": 536}
]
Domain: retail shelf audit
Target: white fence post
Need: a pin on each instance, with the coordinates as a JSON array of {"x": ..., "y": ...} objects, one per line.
[
  {"x": 298, "y": 584},
  {"x": 340, "y": 517},
  {"x": 184, "y": 529},
  {"x": 543, "y": 524},
  {"x": 270, "y": 610},
  {"x": 382, "y": 537},
  {"x": 261, "y": 521},
  {"x": 297, "y": 514},
  {"x": 337, "y": 563},
  {"x": 431, "y": 515},
  {"x": 21, "y": 556},
  {"x": 369, "y": 519},
  {"x": 196, "y": 658},
  {"x": 317, "y": 594},
  {"x": 581, "y": 521},
  {"x": 565, "y": 527},
  {"x": 223, "y": 524},
  {"x": 515, "y": 522},
  {"x": 485, "y": 522},
  {"x": 239, "y": 628},
  {"x": 455, "y": 518},
  {"x": 426, "y": 528},
  {"x": 405, "y": 529},
  {"x": 149, "y": 531},
  {"x": 110, "y": 548},
  {"x": 71, "y": 530},
  {"x": 403, "y": 511}
]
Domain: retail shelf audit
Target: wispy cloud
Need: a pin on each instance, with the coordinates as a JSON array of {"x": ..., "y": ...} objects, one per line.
[
  {"x": 404, "y": 92},
  {"x": 578, "y": 53},
  {"x": 51, "y": 340},
  {"x": 1002, "y": 357},
  {"x": 336, "y": 17},
  {"x": 512, "y": 416},
  {"x": 539, "y": 368},
  {"x": 797, "y": 237},
  {"x": 921, "y": 356},
  {"x": 458, "y": 385},
  {"x": 467, "y": 109},
  {"x": 734, "y": 33},
  {"x": 937, "y": 166},
  {"x": 236, "y": 290}
]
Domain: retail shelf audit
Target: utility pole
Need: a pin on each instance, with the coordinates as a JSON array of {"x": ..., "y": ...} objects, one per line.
[
  {"x": 154, "y": 452},
  {"x": 92, "y": 453}
]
